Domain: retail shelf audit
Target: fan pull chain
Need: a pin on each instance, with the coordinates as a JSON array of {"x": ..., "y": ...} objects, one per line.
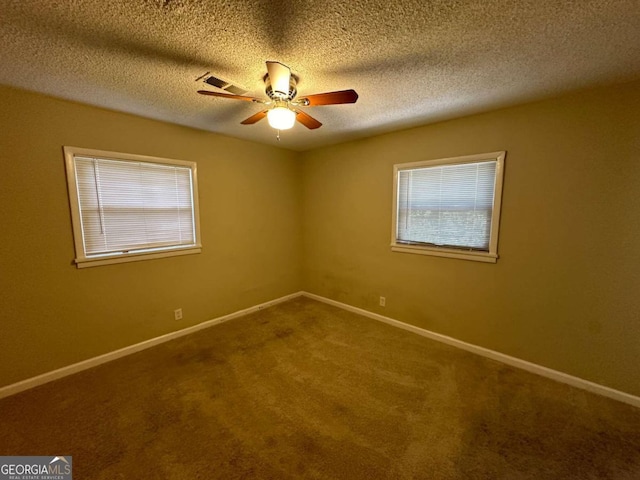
[{"x": 278, "y": 135}]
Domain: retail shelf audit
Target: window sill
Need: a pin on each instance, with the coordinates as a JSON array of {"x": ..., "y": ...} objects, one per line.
[
  {"x": 134, "y": 257},
  {"x": 485, "y": 257}
]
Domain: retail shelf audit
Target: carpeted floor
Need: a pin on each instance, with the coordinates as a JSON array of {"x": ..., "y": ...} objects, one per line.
[{"x": 306, "y": 390}]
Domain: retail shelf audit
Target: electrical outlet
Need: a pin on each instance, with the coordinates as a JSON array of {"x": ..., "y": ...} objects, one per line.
[
  {"x": 177, "y": 313},
  {"x": 383, "y": 301}
]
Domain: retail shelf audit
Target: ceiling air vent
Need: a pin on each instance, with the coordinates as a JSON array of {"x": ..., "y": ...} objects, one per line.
[{"x": 225, "y": 85}]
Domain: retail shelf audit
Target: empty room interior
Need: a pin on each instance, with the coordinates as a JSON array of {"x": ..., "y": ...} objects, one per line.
[{"x": 431, "y": 271}]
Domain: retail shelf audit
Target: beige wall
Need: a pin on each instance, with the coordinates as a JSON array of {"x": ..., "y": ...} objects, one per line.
[
  {"x": 565, "y": 292},
  {"x": 53, "y": 314}
]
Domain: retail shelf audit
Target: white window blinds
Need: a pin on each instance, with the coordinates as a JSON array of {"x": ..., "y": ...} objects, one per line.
[
  {"x": 446, "y": 206},
  {"x": 128, "y": 207}
]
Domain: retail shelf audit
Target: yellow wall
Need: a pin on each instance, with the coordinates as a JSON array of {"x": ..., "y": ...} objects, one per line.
[
  {"x": 53, "y": 314},
  {"x": 565, "y": 292}
]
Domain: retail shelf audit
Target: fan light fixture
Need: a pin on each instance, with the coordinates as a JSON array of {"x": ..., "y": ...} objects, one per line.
[
  {"x": 282, "y": 108},
  {"x": 281, "y": 118}
]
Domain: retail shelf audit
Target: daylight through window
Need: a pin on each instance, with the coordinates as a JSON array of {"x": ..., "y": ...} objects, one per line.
[
  {"x": 130, "y": 207},
  {"x": 449, "y": 207}
]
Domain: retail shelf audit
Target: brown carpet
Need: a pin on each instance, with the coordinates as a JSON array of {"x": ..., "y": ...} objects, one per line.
[{"x": 306, "y": 390}]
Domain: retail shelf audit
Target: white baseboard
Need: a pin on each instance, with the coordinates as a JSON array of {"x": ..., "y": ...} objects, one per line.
[
  {"x": 107, "y": 357},
  {"x": 485, "y": 352}
]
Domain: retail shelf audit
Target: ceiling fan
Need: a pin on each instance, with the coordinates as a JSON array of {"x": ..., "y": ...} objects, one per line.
[{"x": 283, "y": 107}]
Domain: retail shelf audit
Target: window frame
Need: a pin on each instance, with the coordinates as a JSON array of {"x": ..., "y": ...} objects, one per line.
[
  {"x": 460, "y": 253},
  {"x": 83, "y": 260}
]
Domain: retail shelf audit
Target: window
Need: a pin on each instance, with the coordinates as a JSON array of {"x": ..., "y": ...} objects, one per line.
[
  {"x": 449, "y": 207},
  {"x": 131, "y": 207}
]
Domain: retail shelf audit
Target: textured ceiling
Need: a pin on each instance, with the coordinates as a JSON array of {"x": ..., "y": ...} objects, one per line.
[{"x": 411, "y": 61}]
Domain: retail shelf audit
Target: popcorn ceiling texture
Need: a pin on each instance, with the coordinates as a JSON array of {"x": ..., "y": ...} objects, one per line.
[{"x": 412, "y": 61}]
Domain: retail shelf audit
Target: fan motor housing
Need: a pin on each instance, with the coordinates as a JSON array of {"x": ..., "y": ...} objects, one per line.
[{"x": 293, "y": 81}]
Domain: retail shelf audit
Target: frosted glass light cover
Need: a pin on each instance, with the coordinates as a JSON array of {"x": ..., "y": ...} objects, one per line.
[{"x": 281, "y": 118}]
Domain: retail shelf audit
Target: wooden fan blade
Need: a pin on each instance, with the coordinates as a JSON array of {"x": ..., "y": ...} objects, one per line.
[
  {"x": 228, "y": 95},
  {"x": 254, "y": 118},
  {"x": 280, "y": 76},
  {"x": 307, "y": 120},
  {"x": 329, "y": 98}
]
